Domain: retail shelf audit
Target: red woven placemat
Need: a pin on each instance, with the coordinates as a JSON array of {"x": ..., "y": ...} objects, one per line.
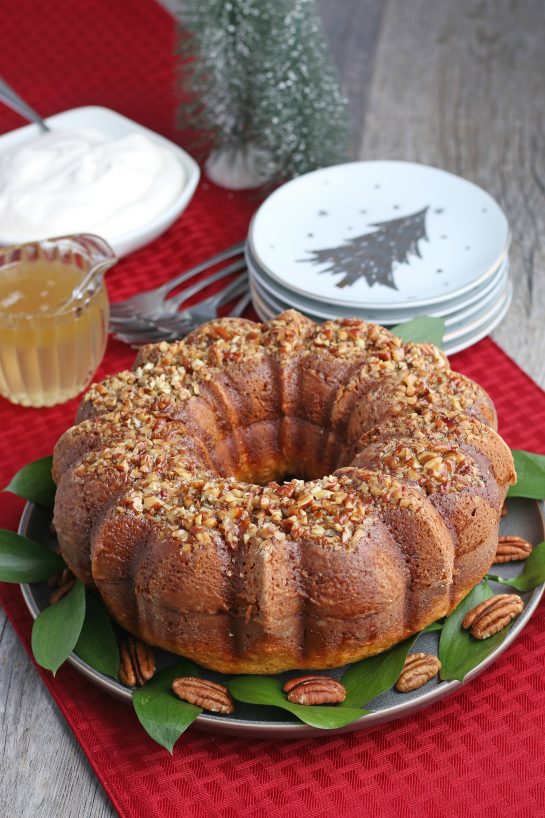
[{"x": 480, "y": 752}]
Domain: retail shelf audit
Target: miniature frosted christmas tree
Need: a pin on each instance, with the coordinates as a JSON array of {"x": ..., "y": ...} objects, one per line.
[
  {"x": 262, "y": 87},
  {"x": 373, "y": 255}
]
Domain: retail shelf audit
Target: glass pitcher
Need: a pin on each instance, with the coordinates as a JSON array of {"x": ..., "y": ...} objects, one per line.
[{"x": 51, "y": 344}]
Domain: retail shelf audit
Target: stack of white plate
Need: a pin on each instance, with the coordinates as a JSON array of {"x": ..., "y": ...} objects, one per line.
[{"x": 385, "y": 242}]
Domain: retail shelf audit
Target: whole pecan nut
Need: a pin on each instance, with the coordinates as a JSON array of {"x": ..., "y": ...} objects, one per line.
[
  {"x": 137, "y": 663},
  {"x": 311, "y": 690},
  {"x": 511, "y": 548},
  {"x": 418, "y": 669},
  {"x": 63, "y": 583},
  {"x": 204, "y": 693},
  {"x": 492, "y": 615},
  {"x": 60, "y": 579}
]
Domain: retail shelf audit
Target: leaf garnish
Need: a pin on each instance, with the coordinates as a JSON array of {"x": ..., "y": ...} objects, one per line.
[
  {"x": 372, "y": 676},
  {"x": 97, "y": 643},
  {"x": 369, "y": 678},
  {"x": 57, "y": 629},
  {"x": 532, "y": 575},
  {"x": 267, "y": 690},
  {"x": 163, "y": 716},
  {"x": 34, "y": 482},
  {"x": 435, "y": 626},
  {"x": 23, "y": 560},
  {"x": 459, "y": 652},
  {"x": 530, "y": 468},
  {"x": 423, "y": 328}
]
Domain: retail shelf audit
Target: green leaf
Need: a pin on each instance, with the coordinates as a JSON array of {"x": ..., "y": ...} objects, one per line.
[
  {"x": 97, "y": 644},
  {"x": 532, "y": 575},
  {"x": 372, "y": 676},
  {"x": 23, "y": 560},
  {"x": 459, "y": 652},
  {"x": 530, "y": 469},
  {"x": 435, "y": 626},
  {"x": 34, "y": 482},
  {"x": 163, "y": 716},
  {"x": 420, "y": 329},
  {"x": 57, "y": 629},
  {"x": 267, "y": 690}
]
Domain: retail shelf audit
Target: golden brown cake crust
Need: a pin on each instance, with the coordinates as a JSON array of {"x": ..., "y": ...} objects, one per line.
[{"x": 174, "y": 498}]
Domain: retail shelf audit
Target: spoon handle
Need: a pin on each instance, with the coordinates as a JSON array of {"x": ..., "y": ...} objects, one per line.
[{"x": 14, "y": 101}]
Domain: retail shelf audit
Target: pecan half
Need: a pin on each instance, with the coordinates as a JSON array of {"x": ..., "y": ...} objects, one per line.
[
  {"x": 511, "y": 548},
  {"x": 311, "y": 690},
  {"x": 60, "y": 579},
  {"x": 418, "y": 669},
  {"x": 63, "y": 583},
  {"x": 204, "y": 693},
  {"x": 137, "y": 663},
  {"x": 492, "y": 615}
]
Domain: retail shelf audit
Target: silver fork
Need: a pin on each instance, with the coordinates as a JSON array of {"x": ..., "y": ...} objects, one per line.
[
  {"x": 136, "y": 339},
  {"x": 155, "y": 301},
  {"x": 176, "y": 326},
  {"x": 170, "y": 305},
  {"x": 203, "y": 311}
]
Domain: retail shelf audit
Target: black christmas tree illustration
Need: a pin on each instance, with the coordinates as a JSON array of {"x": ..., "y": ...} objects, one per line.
[{"x": 373, "y": 255}]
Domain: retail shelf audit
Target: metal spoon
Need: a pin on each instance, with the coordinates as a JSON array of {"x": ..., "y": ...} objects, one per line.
[
  {"x": 80, "y": 289},
  {"x": 14, "y": 101}
]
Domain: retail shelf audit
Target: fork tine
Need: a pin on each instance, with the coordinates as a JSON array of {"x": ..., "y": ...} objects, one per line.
[
  {"x": 134, "y": 323},
  {"x": 235, "y": 267},
  {"x": 141, "y": 324},
  {"x": 170, "y": 305},
  {"x": 126, "y": 308},
  {"x": 170, "y": 328},
  {"x": 153, "y": 334},
  {"x": 234, "y": 288},
  {"x": 209, "y": 305},
  {"x": 241, "y": 305},
  {"x": 178, "y": 324}
]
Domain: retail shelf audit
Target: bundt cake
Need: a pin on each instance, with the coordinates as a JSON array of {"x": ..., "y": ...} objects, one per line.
[{"x": 260, "y": 497}]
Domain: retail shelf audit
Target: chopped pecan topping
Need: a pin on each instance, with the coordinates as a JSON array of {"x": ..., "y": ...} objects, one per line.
[
  {"x": 492, "y": 615},
  {"x": 137, "y": 663},
  {"x": 204, "y": 693},
  {"x": 311, "y": 690},
  {"x": 511, "y": 548},
  {"x": 433, "y": 463},
  {"x": 418, "y": 669}
]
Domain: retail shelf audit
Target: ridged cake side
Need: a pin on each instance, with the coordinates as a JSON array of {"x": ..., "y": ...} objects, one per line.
[{"x": 168, "y": 503}]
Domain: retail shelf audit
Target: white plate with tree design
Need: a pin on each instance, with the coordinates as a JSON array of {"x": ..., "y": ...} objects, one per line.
[{"x": 379, "y": 235}]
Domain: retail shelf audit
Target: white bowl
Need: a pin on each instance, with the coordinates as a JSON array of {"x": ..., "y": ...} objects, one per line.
[{"x": 113, "y": 124}]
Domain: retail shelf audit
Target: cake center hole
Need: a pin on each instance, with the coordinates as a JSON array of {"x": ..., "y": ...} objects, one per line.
[{"x": 258, "y": 458}]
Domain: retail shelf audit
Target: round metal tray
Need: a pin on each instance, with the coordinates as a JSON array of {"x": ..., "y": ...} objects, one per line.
[{"x": 525, "y": 518}]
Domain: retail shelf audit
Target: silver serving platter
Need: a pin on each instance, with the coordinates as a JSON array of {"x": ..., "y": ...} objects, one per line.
[{"x": 525, "y": 518}]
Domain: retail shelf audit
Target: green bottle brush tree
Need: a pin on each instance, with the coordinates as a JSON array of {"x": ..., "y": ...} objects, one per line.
[{"x": 260, "y": 86}]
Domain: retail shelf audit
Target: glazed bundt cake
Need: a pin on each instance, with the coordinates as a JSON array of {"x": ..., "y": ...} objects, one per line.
[{"x": 260, "y": 497}]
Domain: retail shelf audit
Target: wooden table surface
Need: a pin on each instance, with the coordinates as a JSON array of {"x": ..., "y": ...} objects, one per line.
[{"x": 459, "y": 85}]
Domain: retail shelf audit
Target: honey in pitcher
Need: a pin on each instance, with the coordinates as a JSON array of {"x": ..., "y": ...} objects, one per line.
[{"x": 49, "y": 350}]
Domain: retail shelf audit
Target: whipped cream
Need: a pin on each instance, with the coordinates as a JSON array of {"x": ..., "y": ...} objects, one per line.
[{"x": 66, "y": 182}]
